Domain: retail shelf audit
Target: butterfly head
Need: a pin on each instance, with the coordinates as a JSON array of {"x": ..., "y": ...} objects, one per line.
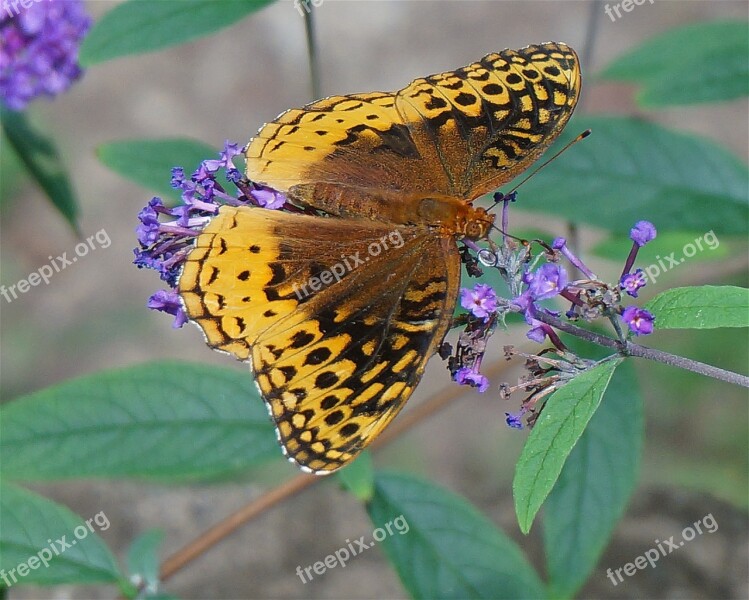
[
  {"x": 476, "y": 223},
  {"x": 456, "y": 217}
]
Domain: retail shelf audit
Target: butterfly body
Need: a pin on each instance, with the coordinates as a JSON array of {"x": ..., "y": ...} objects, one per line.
[{"x": 338, "y": 313}]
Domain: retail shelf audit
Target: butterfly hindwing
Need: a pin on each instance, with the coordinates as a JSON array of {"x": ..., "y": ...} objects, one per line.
[{"x": 335, "y": 364}]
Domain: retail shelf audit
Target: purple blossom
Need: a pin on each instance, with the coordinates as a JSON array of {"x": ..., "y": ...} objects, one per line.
[
  {"x": 224, "y": 161},
  {"x": 166, "y": 236},
  {"x": 560, "y": 244},
  {"x": 169, "y": 302},
  {"x": 481, "y": 300},
  {"x": 468, "y": 376},
  {"x": 631, "y": 282},
  {"x": 515, "y": 420},
  {"x": 642, "y": 233},
  {"x": 39, "y": 49},
  {"x": 268, "y": 197},
  {"x": 537, "y": 332},
  {"x": 639, "y": 320},
  {"x": 148, "y": 230},
  {"x": 548, "y": 281}
]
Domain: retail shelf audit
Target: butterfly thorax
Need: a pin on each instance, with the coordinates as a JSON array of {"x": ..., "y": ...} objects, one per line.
[{"x": 452, "y": 216}]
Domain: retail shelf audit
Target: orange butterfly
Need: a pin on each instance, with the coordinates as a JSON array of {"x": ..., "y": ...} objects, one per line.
[{"x": 339, "y": 311}]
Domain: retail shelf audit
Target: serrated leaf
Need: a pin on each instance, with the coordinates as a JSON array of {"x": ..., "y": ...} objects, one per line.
[
  {"x": 594, "y": 486},
  {"x": 165, "y": 420},
  {"x": 149, "y": 162},
  {"x": 702, "y": 62},
  {"x": 143, "y": 559},
  {"x": 629, "y": 170},
  {"x": 704, "y": 307},
  {"x": 560, "y": 425},
  {"x": 42, "y": 161},
  {"x": 442, "y": 547},
  {"x": 135, "y": 27},
  {"x": 33, "y": 529},
  {"x": 358, "y": 477}
]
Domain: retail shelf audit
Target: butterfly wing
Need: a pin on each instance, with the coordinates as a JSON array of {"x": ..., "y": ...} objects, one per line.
[
  {"x": 460, "y": 133},
  {"x": 487, "y": 122},
  {"x": 335, "y": 363}
]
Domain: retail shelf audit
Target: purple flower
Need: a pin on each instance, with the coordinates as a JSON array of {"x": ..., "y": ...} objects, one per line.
[
  {"x": 230, "y": 150},
  {"x": 642, "y": 233},
  {"x": 537, "y": 332},
  {"x": 481, "y": 300},
  {"x": 467, "y": 376},
  {"x": 268, "y": 197},
  {"x": 639, "y": 320},
  {"x": 548, "y": 281},
  {"x": 560, "y": 244},
  {"x": 631, "y": 282},
  {"x": 39, "y": 49},
  {"x": 515, "y": 420},
  {"x": 169, "y": 302},
  {"x": 166, "y": 236}
]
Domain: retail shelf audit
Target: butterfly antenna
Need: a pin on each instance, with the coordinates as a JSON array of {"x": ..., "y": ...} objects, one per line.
[
  {"x": 502, "y": 197},
  {"x": 580, "y": 137}
]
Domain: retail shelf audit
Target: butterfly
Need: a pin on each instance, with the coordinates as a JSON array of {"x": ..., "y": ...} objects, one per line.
[{"x": 339, "y": 311}]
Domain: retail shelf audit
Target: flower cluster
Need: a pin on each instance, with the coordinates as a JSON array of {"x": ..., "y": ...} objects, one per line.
[
  {"x": 530, "y": 284},
  {"x": 165, "y": 244},
  {"x": 39, "y": 49}
]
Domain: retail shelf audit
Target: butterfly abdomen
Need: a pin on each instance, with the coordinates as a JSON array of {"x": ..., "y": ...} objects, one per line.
[{"x": 451, "y": 215}]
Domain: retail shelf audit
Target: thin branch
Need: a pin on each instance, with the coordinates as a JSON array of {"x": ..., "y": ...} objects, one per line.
[
  {"x": 314, "y": 65},
  {"x": 212, "y": 536},
  {"x": 631, "y": 349}
]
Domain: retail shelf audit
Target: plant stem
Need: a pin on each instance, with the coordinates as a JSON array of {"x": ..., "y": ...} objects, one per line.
[
  {"x": 631, "y": 349},
  {"x": 314, "y": 65}
]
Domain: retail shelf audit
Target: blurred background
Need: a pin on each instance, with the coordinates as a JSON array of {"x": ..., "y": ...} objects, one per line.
[{"x": 92, "y": 315}]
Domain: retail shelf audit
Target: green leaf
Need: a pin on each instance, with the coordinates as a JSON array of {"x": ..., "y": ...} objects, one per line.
[
  {"x": 702, "y": 62},
  {"x": 39, "y": 155},
  {"x": 135, "y": 27},
  {"x": 594, "y": 486},
  {"x": 143, "y": 559},
  {"x": 358, "y": 477},
  {"x": 164, "y": 420},
  {"x": 75, "y": 554},
  {"x": 149, "y": 162},
  {"x": 557, "y": 430},
  {"x": 704, "y": 307},
  {"x": 629, "y": 170},
  {"x": 11, "y": 172},
  {"x": 442, "y": 547}
]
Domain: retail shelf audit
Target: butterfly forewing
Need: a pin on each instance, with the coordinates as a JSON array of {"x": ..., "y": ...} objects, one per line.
[{"x": 460, "y": 133}]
